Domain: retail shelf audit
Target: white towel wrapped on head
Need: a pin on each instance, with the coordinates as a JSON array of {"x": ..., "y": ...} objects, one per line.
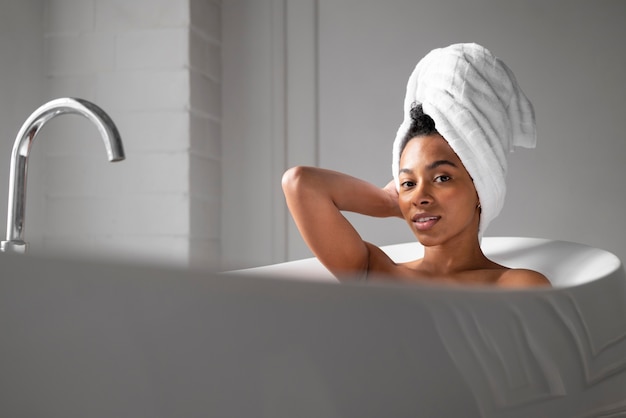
[{"x": 479, "y": 108}]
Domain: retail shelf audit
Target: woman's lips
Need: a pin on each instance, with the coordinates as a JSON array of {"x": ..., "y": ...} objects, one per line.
[{"x": 424, "y": 222}]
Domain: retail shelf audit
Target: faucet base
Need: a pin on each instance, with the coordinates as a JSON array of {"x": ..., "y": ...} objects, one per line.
[{"x": 15, "y": 246}]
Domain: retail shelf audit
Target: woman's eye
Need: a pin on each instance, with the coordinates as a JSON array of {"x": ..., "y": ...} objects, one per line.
[
  {"x": 407, "y": 184},
  {"x": 442, "y": 179}
]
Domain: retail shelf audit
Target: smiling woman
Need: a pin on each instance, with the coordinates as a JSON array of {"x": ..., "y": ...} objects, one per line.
[{"x": 434, "y": 190}]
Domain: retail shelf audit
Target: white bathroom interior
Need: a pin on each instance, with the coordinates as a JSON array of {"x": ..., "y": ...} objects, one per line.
[{"x": 214, "y": 99}]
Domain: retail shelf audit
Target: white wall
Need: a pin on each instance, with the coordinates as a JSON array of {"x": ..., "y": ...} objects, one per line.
[
  {"x": 567, "y": 55},
  {"x": 270, "y": 122},
  {"x": 302, "y": 82},
  {"x": 155, "y": 67},
  {"x": 205, "y": 141},
  {"x": 21, "y": 92}
]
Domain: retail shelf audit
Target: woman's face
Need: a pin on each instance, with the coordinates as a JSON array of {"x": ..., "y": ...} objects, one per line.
[{"x": 437, "y": 196}]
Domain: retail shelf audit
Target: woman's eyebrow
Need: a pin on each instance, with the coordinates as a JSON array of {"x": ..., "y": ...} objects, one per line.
[
  {"x": 438, "y": 163},
  {"x": 430, "y": 166}
]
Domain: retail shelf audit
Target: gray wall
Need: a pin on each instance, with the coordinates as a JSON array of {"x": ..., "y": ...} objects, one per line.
[
  {"x": 567, "y": 55},
  {"x": 21, "y": 92}
]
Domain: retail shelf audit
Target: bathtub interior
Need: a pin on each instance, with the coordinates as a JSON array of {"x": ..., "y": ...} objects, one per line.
[{"x": 564, "y": 263}]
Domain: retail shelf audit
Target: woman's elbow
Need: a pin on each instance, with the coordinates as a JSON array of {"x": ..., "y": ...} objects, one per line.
[{"x": 293, "y": 178}]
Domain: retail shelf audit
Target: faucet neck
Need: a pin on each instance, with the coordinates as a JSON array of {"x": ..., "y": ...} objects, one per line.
[{"x": 21, "y": 150}]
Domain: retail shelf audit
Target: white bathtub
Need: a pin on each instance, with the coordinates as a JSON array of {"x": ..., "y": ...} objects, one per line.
[
  {"x": 102, "y": 340},
  {"x": 557, "y": 352},
  {"x": 564, "y": 263}
]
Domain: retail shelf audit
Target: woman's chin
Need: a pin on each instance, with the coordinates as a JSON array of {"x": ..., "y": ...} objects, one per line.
[{"x": 429, "y": 240}]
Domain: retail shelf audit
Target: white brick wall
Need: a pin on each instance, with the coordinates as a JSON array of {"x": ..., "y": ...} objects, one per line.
[
  {"x": 21, "y": 91},
  {"x": 154, "y": 66}
]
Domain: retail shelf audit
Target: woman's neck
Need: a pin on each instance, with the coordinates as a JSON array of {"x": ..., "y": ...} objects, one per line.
[{"x": 455, "y": 256}]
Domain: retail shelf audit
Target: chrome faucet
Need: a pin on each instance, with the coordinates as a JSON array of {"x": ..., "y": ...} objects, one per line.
[{"x": 21, "y": 148}]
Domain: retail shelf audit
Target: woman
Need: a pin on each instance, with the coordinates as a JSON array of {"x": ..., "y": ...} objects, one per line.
[{"x": 434, "y": 190}]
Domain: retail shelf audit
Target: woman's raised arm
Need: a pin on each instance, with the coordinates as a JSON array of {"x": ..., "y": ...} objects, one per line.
[{"x": 316, "y": 197}]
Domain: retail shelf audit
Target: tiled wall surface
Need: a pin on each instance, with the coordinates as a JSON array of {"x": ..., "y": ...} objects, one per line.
[{"x": 154, "y": 66}]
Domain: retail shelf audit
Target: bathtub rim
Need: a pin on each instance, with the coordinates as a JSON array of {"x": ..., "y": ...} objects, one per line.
[{"x": 310, "y": 269}]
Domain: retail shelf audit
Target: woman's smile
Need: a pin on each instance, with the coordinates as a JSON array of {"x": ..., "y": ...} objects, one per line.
[{"x": 424, "y": 221}]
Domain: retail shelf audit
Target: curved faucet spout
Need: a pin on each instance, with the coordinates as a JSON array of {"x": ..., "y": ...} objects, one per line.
[{"x": 21, "y": 150}]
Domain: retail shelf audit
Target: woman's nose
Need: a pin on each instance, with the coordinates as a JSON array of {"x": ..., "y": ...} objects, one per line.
[{"x": 421, "y": 194}]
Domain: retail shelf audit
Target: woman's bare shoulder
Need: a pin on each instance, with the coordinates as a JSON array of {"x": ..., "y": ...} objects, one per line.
[{"x": 522, "y": 278}]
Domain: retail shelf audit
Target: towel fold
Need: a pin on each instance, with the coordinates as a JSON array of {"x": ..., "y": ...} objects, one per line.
[{"x": 479, "y": 108}]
